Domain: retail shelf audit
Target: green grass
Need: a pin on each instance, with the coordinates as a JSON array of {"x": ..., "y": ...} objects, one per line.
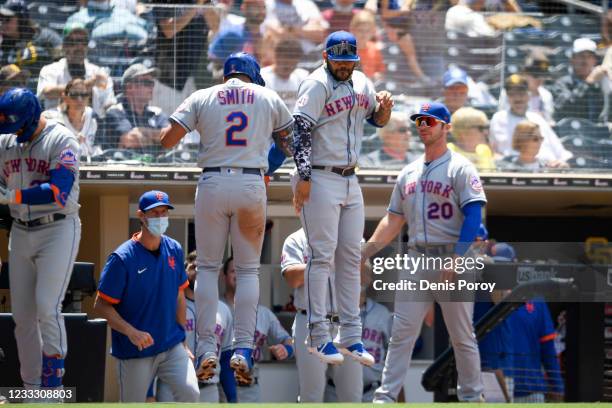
[{"x": 289, "y": 405}]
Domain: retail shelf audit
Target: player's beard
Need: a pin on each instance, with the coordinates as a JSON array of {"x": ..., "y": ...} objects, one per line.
[{"x": 340, "y": 74}]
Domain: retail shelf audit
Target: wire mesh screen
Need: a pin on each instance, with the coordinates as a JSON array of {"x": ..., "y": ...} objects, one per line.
[{"x": 529, "y": 90}]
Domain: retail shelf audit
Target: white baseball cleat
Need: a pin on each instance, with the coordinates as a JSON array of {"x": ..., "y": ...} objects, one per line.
[
  {"x": 328, "y": 353},
  {"x": 358, "y": 353}
]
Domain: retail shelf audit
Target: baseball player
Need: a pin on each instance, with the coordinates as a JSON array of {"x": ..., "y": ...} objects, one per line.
[
  {"x": 141, "y": 295},
  {"x": 347, "y": 377},
  {"x": 209, "y": 390},
  {"x": 332, "y": 104},
  {"x": 237, "y": 121},
  {"x": 40, "y": 183},
  {"x": 268, "y": 330},
  {"x": 440, "y": 196},
  {"x": 533, "y": 347}
]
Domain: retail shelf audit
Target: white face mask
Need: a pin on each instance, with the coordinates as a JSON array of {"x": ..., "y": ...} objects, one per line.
[{"x": 157, "y": 226}]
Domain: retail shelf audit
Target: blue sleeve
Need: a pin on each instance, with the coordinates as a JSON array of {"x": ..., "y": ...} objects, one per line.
[
  {"x": 548, "y": 353},
  {"x": 226, "y": 377},
  {"x": 469, "y": 229},
  {"x": 112, "y": 280},
  {"x": 276, "y": 158},
  {"x": 57, "y": 189}
]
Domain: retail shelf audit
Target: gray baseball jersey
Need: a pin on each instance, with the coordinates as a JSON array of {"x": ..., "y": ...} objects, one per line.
[
  {"x": 41, "y": 257},
  {"x": 232, "y": 116},
  {"x": 267, "y": 331},
  {"x": 430, "y": 197},
  {"x": 376, "y": 321},
  {"x": 224, "y": 340},
  {"x": 338, "y": 110},
  {"x": 26, "y": 165},
  {"x": 295, "y": 252}
]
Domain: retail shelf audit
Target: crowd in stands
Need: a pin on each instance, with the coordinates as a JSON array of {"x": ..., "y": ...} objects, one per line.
[{"x": 114, "y": 70}]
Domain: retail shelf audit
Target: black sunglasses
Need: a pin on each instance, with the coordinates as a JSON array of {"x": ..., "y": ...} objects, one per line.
[
  {"x": 344, "y": 48},
  {"x": 78, "y": 95}
]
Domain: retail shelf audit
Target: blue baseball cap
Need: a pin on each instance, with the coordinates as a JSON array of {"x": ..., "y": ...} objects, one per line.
[
  {"x": 435, "y": 110},
  {"x": 455, "y": 76},
  {"x": 503, "y": 252},
  {"x": 341, "y": 46},
  {"x": 152, "y": 199},
  {"x": 482, "y": 232}
]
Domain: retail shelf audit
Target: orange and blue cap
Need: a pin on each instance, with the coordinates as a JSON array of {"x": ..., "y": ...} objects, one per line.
[{"x": 435, "y": 110}]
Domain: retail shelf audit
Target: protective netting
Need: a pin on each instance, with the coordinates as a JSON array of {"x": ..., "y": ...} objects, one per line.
[{"x": 537, "y": 84}]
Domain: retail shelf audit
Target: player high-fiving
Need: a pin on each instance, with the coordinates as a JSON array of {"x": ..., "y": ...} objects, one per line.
[{"x": 237, "y": 122}]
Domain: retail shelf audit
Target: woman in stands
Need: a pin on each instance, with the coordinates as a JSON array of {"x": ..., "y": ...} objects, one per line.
[
  {"x": 527, "y": 140},
  {"x": 77, "y": 115}
]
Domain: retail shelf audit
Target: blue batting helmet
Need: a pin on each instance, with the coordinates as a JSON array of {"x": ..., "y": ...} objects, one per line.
[
  {"x": 243, "y": 63},
  {"x": 341, "y": 46},
  {"x": 19, "y": 109}
]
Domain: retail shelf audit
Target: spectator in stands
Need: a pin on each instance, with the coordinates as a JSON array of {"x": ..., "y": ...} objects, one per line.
[
  {"x": 455, "y": 94},
  {"x": 117, "y": 35},
  {"x": 182, "y": 42},
  {"x": 11, "y": 76},
  {"x": 504, "y": 122},
  {"x": 527, "y": 141},
  {"x": 470, "y": 130},
  {"x": 466, "y": 18},
  {"x": 340, "y": 15},
  {"x": 460, "y": 90},
  {"x": 133, "y": 123},
  {"x": 54, "y": 77},
  {"x": 363, "y": 26},
  {"x": 581, "y": 93},
  {"x": 536, "y": 71},
  {"x": 299, "y": 19},
  {"x": 536, "y": 371},
  {"x": 395, "y": 137},
  {"x": 23, "y": 42},
  {"x": 241, "y": 36},
  {"x": 284, "y": 76},
  {"x": 396, "y": 23},
  {"x": 75, "y": 113}
]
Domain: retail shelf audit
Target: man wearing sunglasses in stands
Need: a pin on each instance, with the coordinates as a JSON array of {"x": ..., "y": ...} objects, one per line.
[
  {"x": 395, "y": 150},
  {"x": 132, "y": 123}
]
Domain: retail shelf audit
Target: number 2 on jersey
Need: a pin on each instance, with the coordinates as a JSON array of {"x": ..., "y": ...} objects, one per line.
[{"x": 239, "y": 121}]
